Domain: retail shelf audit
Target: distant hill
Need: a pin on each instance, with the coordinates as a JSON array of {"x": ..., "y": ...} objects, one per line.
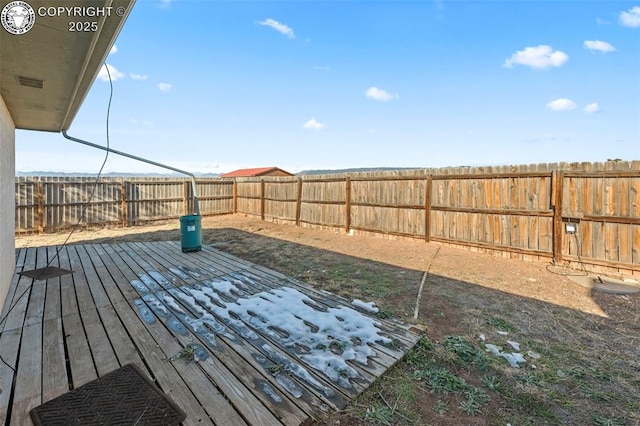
[
  {"x": 353, "y": 170},
  {"x": 112, "y": 174}
]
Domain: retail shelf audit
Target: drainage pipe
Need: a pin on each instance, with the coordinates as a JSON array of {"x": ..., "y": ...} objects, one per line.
[{"x": 196, "y": 205}]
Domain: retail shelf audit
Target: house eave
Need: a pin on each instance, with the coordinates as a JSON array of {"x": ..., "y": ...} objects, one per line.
[{"x": 66, "y": 62}]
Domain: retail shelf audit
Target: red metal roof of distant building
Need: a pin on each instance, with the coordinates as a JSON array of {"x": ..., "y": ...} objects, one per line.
[{"x": 260, "y": 171}]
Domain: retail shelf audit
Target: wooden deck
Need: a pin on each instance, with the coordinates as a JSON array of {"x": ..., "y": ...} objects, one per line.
[{"x": 143, "y": 303}]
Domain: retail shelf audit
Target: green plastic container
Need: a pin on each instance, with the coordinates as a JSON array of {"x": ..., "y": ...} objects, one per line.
[{"x": 191, "y": 232}]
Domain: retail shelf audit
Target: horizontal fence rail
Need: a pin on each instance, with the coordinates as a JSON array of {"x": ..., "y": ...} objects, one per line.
[{"x": 518, "y": 210}]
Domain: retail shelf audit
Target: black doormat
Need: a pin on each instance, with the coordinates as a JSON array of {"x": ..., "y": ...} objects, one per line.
[
  {"x": 123, "y": 397},
  {"x": 45, "y": 273}
]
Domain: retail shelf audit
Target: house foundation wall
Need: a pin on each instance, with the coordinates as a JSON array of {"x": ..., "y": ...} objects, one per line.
[{"x": 7, "y": 200}]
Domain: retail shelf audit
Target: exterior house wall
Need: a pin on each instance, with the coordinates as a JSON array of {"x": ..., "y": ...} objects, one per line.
[{"x": 7, "y": 200}]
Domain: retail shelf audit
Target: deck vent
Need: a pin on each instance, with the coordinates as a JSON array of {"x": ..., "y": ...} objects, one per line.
[{"x": 30, "y": 82}]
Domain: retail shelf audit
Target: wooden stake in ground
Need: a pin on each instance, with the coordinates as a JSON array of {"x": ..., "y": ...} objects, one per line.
[{"x": 424, "y": 278}]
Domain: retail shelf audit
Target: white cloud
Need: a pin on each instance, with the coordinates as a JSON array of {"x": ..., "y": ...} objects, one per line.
[
  {"x": 600, "y": 21},
  {"x": 114, "y": 49},
  {"x": 379, "y": 94},
  {"x": 135, "y": 76},
  {"x": 591, "y": 108},
  {"x": 113, "y": 71},
  {"x": 631, "y": 18},
  {"x": 321, "y": 68},
  {"x": 562, "y": 104},
  {"x": 538, "y": 57},
  {"x": 601, "y": 46},
  {"x": 313, "y": 124},
  {"x": 279, "y": 27},
  {"x": 165, "y": 87}
]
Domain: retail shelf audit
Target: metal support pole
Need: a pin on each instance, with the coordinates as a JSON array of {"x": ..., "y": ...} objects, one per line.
[{"x": 196, "y": 205}]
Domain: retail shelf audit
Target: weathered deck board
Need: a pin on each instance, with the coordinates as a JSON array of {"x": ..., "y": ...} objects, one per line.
[
  {"x": 118, "y": 307},
  {"x": 82, "y": 367},
  {"x": 96, "y": 288},
  {"x": 55, "y": 382},
  {"x": 52, "y": 309},
  {"x": 101, "y": 349},
  {"x": 35, "y": 308},
  {"x": 9, "y": 340},
  {"x": 69, "y": 303},
  {"x": 28, "y": 388},
  {"x": 20, "y": 260},
  {"x": 125, "y": 350},
  {"x": 17, "y": 305}
]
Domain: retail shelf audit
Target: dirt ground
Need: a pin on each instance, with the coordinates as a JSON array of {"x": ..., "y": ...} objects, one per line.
[
  {"x": 515, "y": 277},
  {"x": 587, "y": 369}
]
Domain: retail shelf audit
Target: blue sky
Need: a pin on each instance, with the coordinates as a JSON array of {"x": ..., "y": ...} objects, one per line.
[{"x": 211, "y": 86}]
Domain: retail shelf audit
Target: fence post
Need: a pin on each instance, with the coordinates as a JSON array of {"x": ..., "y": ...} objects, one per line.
[
  {"x": 123, "y": 203},
  {"x": 347, "y": 204},
  {"x": 261, "y": 199},
  {"x": 39, "y": 222},
  {"x": 234, "y": 199},
  {"x": 556, "y": 201},
  {"x": 298, "y": 201},
  {"x": 427, "y": 208},
  {"x": 185, "y": 197}
]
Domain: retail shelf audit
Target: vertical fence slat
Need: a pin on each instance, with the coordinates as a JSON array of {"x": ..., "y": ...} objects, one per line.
[
  {"x": 39, "y": 222},
  {"x": 427, "y": 208},
  {"x": 557, "y": 181},
  {"x": 347, "y": 204},
  {"x": 262, "y": 184},
  {"x": 235, "y": 197},
  {"x": 298, "y": 201},
  {"x": 123, "y": 204}
]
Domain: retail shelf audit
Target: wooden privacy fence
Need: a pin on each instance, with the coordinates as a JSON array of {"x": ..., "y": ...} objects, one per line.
[
  {"x": 48, "y": 204},
  {"x": 512, "y": 209},
  {"x": 516, "y": 210}
]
